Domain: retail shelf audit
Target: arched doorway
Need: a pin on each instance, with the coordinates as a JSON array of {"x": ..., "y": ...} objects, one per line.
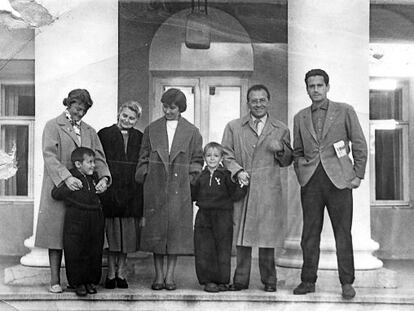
[{"x": 215, "y": 81}]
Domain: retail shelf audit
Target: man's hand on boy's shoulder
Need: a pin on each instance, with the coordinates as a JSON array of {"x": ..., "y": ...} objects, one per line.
[{"x": 73, "y": 183}]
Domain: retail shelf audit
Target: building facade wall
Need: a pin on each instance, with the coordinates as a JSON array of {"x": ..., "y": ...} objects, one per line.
[{"x": 138, "y": 22}]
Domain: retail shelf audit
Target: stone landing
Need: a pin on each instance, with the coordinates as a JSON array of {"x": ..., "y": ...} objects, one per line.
[{"x": 27, "y": 290}]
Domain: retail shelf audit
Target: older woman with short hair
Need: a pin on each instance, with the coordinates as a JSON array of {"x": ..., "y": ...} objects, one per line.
[
  {"x": 61, "y": 136},
  {"x": 122, "y": 203},
  {"x": 170, "y": 157}
]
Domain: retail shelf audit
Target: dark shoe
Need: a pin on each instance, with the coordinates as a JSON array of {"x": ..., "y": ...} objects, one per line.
[
  {"x": 121, "y": 283},
  {"x": 223, "y": 287},
  {"x": 348, "y": 292},
  {"x": 236, "y": 287},
  {"x": 90, "y": 289},
  {"x": 81, "y": 290},
  {"x": 110, "y": 283},
  {"x": 157, "y": 286},
  {"x": 304, "y": 288},
  {"x": 211, "y": 288},
  {"x": 170, "y": 286},
  {"x": 269, "y": 288}
]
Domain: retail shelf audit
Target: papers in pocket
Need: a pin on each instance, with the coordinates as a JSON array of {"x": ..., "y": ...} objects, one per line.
[{"x": 340, "y": 149}]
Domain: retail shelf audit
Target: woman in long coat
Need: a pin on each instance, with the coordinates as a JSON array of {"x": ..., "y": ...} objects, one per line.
[
  {"x": 61, "y": 136},
  {"x": 122, "y": 203},
  {"x": 171, "y": 155}
]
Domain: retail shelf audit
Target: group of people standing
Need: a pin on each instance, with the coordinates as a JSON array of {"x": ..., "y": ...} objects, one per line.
[{"x": 146, "y": 184}]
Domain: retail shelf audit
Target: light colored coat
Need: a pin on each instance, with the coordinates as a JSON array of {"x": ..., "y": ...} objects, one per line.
[
  {"x": 58, "y": 142},
  {"x": 168, "y": 211},
  {"x": 341, "y": 123},
  {"x": 256, "y": 216}
]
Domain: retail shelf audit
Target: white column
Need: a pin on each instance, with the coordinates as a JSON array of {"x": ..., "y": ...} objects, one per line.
[
  {"x": 78, "y": 50},
  {"x": 334, "y": 36}
]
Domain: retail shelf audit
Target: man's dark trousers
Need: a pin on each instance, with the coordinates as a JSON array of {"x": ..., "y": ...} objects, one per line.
[
  {"x": 316, "y": 194},
  {"x": 266, "y": 266}
]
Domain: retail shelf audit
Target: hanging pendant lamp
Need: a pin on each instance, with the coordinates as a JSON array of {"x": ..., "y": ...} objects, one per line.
[{"x": 197, "y": 26}]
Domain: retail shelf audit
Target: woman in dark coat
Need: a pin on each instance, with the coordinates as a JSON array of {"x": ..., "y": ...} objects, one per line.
[
  {"x": 122, "y": 203},
  {"x": 170, "y": 157}
]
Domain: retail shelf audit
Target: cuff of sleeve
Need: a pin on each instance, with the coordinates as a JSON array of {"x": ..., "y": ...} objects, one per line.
[{"x": 234, "y": 177}]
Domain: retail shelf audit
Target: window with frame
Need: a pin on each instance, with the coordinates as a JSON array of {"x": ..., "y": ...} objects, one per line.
[
  {"x": 17, "y": 115},
  {"x": 388, "y": 109}
]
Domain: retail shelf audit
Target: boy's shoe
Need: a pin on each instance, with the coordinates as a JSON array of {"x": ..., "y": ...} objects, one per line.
[
  {"x": 348, "y": 292},
  {"x": 121, "y": 283},
  {"x": 55, "y": 289},
  {"x": 81, "y": 291},
  {"x": 269, "y": 288},
  {"x": 211, "y": 288},
  {"x": 110, "y": 283},
  {"x": 223, "y": 287},
  {"x": 90, "y": 289},
  {"x": 237, "y": 287},
  {"x": 304, "y": 288}
]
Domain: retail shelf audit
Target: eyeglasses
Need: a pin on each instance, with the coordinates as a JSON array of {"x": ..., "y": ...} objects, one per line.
[{"x": 258, "y": 101}]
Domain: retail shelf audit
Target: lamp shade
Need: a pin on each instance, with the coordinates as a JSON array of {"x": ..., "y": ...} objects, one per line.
[{"x": 197, "y": 31}]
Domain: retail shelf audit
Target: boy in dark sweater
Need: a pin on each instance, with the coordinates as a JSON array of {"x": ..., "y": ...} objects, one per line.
[
  {"x": 83, "y": 231},
  {"x": 214, "y": 193}
]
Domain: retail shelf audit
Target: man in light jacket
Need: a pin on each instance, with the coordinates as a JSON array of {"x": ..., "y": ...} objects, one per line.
[
  {"x": 255, "y": 147},
  {"x": 322, "y": 136}
]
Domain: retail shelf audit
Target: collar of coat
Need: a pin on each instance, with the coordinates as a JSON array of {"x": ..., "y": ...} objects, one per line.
[
  {"x": 324, "y": 105},
  {"x": 331, "y": 115},
  {"x": 220, "y": 169},
  {"x": 117, "y": 141},
  {"x": 271, "y": 122},
  {"x": 67, "y": 127},
  {"x": 76, "y": 173},
  {"x": 159, "y": 138}
]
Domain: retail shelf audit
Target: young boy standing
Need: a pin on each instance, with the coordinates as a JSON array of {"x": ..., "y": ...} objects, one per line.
[
  {"x": 83, "y": 231},
  {"x": 214, "y": 193}
]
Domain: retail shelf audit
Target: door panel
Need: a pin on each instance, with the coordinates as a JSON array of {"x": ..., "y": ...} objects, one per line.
[{"x": 224, "y": 106}]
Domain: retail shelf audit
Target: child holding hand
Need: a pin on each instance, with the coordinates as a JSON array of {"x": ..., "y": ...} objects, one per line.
[{"x": 214, "y": 192}]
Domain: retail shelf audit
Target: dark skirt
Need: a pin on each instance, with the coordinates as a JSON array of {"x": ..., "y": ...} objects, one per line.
[{"x": 122, "y": 234}]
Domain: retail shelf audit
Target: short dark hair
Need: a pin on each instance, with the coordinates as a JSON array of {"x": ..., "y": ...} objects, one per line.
[
  {"x": 81, "y": 96},
  {"x": 79, "y": 153},
  {"x": 213, "y": 144},
  {"x": 258, "y": 87},
  {"x": 317, "y": 72},
  {"x": 174, "y": 97}
]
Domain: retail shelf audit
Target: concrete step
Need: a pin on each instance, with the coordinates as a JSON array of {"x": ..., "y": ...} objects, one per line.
[
  {"x": 187, "y": 299},
  {"x": 26, "y": 289}
]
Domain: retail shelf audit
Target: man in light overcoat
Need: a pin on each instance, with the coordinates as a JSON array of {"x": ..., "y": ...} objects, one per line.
[
  {"x": 323, "y": 133},
  {"x": 256, "y": 146}
]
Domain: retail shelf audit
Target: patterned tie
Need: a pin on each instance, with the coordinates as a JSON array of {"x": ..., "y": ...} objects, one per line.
[{"x": 256, "y": 126}]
